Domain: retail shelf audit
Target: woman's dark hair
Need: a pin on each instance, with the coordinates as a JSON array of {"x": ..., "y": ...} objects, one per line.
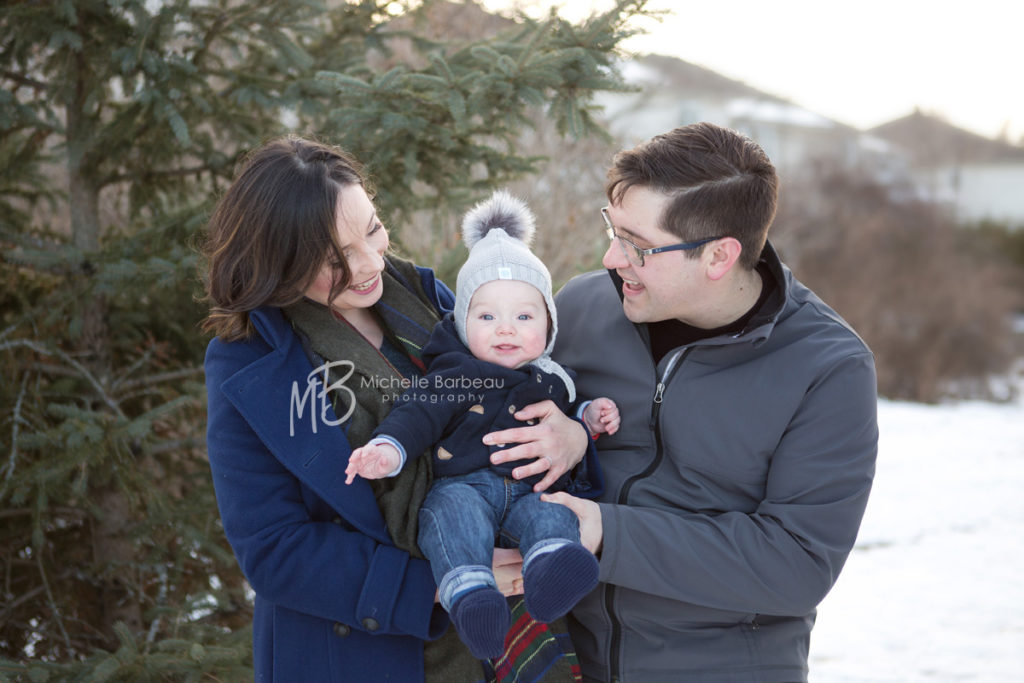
[
  {"x": 274, "y": 229},
  {"x": 721, "y": 183}
]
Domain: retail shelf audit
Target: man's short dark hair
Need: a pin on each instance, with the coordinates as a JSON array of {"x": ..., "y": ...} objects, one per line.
[{"x": 721, "y": 183}]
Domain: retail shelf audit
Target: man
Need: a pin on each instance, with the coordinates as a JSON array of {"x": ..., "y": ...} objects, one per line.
[{"x": 738, "y": 478}]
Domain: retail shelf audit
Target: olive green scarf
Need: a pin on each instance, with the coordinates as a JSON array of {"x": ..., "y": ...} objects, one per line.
[
  {"x": 407, "y": 319},
  {"x": 543, "y": 652},
  {"x": 374, "y": 384}
]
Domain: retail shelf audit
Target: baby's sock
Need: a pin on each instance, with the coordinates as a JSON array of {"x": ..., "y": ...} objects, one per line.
[
  {"x": 553, "y": 582},
  {"x": 481, "y": 617}
]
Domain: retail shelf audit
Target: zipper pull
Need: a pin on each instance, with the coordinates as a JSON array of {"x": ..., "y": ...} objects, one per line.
[{"x": 658, "y": 392}]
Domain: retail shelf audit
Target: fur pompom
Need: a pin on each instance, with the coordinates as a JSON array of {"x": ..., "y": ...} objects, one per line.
[{"x": 503, "y": 211}]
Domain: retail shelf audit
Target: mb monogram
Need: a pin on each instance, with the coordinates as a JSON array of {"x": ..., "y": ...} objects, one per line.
[{"x": 317, "y": 391}]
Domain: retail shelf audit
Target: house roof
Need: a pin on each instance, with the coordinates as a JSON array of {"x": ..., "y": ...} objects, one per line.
[
  {"x": 664, "y": 76},
  {"x": 932, "y": 141},
  {"x": 675, "y": 73}
]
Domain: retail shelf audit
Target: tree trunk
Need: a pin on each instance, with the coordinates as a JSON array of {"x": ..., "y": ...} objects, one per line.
[{"x": 113, "y": 547}]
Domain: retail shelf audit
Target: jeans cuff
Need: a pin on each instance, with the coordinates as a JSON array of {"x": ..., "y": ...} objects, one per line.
[
  {"x": 542, "y": 547},
  {"x": 463, "y": 578}
]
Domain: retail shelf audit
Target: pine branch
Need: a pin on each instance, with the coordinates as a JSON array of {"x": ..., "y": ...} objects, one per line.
[
  {"x": 207, "y": 41},
  {"x": 53, "y": 603},
  {"x": 161, "y": 377},
  {"x": 151, "y": 175},
  {"x": 28, "y": 512},
  {"x": 16, "y": 419},
  {"x": 21, "y": 599},
  {"x": 25, "y": 80},
  {"x": 139, "y": 362},
  {"x": 82, "y": 371},
  {"x": 176, "y": 445}
]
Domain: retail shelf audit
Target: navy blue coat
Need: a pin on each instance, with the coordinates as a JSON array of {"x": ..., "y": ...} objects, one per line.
[
  {"x": 460, "y": 399},
  {"x": 335, "y": 599}
]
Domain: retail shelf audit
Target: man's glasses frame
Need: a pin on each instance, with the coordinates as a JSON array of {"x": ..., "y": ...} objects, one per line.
[{"x": 635, "y": 254}]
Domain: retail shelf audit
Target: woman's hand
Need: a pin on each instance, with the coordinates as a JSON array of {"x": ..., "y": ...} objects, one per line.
[
  {"x": 556, "y": 443},
  {"x": 507, "y": 566},
  {"x": 508, "y": 571}
]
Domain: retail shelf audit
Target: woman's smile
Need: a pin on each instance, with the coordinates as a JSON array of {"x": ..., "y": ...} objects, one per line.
[{"x": 367, "y": 286}]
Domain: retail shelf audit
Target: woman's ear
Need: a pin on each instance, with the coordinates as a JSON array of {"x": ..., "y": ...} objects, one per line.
[{"x": 720, "y": 256}]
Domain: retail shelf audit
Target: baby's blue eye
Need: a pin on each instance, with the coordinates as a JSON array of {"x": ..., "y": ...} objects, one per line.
[
  {"x": 525, "y": 316},
  {"x": 486, "y": 316}
]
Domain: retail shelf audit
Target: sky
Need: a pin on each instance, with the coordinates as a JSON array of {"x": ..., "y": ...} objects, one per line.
[{"x": 862, "y": 63}]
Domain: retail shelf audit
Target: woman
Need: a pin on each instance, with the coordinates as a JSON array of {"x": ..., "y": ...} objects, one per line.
[{"x": 304, "y": 295}]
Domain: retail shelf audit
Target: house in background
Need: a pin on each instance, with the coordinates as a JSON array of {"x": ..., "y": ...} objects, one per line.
[
  {"x": 916, "y": 157},
  {"x": 979, "y": 178},
  {"x": 672, "y": 92}
]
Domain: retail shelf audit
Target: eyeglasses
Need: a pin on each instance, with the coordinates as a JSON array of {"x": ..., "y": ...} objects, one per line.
[{"x": 635, "y": 254}]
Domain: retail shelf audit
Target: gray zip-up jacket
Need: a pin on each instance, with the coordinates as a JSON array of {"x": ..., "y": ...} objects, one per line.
[{"x": 734, "y": 487}]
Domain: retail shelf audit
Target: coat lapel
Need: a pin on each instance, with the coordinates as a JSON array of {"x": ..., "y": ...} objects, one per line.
[{"x": 278, "y": 401}]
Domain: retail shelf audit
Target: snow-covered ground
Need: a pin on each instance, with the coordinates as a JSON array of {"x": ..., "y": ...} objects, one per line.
[{"x": 934, "y": 590}]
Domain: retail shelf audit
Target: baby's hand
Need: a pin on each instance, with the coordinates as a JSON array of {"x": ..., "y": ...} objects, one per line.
[
  {"x": 372, "y": 461},
  {"x": 602, "y": 416}
]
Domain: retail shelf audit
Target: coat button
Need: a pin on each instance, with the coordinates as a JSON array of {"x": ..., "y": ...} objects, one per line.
[
  {"x": 539, "y": 379},
  {"x": 511, "y": 410},
  {"x": 370, "y": 624},
  {"x": 342, "y": 630}
]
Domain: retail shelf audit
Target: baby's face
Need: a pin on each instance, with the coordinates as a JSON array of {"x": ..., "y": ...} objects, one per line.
[{"x": 507, "y": 323}]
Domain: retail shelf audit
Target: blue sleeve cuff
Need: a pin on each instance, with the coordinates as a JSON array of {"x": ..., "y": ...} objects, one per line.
[
  {"x": 398, "y": 597},
  {"x": 586, "y": 480}
]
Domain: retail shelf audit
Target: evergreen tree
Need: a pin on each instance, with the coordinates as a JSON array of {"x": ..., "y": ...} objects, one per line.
[{"x": 120, "y": 121}]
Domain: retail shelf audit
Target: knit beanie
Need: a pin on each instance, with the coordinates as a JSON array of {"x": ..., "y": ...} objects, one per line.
[{"x": 498, "y": 232}]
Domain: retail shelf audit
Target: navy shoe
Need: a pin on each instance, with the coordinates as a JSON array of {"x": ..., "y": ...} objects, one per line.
[
  {"x": 555, "y": 581},
  {"x": 482, "y": 618}
]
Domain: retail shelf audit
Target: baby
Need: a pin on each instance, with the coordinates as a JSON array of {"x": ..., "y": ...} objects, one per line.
[{"x": 488, "y": 359}]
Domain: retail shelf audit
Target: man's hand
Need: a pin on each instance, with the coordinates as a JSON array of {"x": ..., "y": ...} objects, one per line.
[
  {"x": 589, "y": 514},
  {"x": 556, "y": 443}
]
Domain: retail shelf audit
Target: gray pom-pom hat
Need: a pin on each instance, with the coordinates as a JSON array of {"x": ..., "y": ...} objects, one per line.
[{"x": 498, "y": 232}]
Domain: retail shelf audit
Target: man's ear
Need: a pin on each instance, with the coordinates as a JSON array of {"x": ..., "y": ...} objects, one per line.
[{"x": 720, "y": 256}]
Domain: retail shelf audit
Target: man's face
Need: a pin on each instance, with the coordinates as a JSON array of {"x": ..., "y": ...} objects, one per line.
[{"x": 669, "y": 284}]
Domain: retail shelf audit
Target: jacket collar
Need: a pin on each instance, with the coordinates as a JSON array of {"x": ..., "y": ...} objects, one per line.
[
  {"x": 760, "y": 326},
  {"x": 272, "y": 326}
]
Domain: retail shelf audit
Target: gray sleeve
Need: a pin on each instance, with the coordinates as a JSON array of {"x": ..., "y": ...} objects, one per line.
[{"x": 783, "y": 558}]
